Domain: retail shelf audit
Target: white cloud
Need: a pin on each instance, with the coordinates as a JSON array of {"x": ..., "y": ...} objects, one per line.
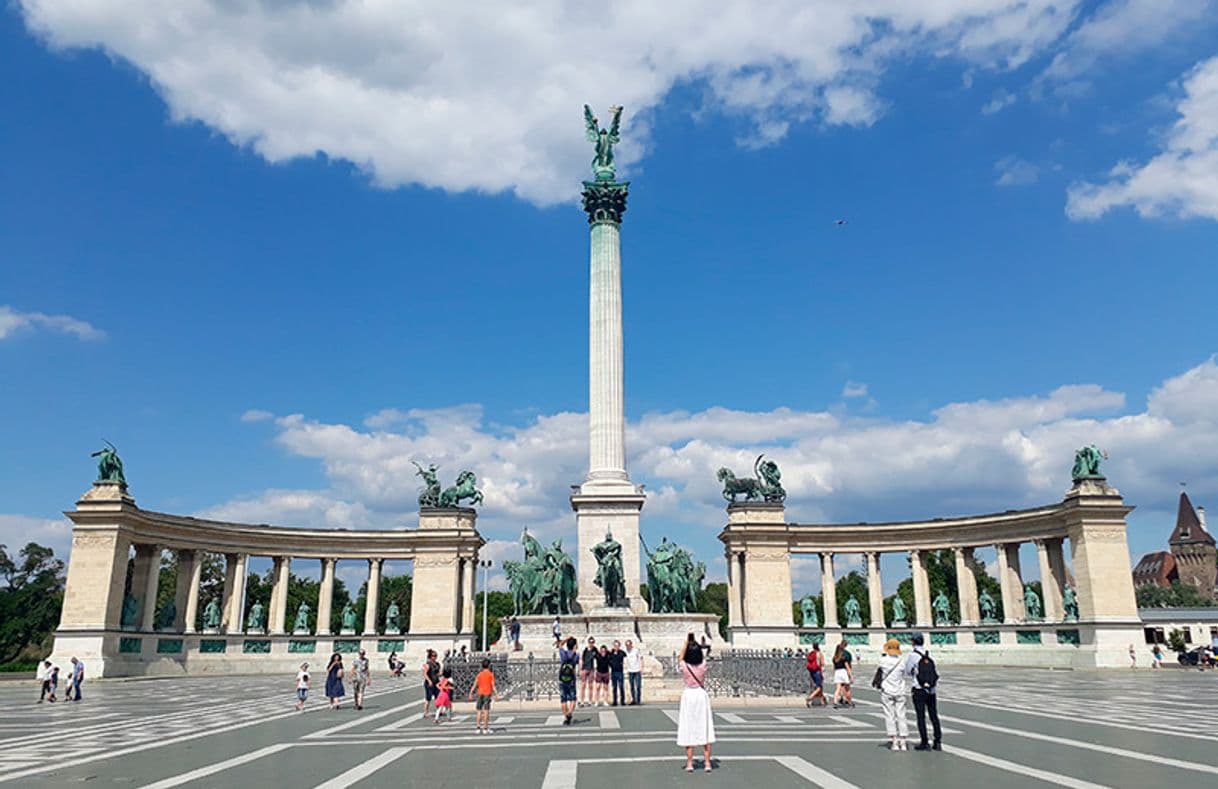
[
  {"x": 854, "y": 389},
  {"x": 12, "y": 321},
  {"x": 465, "y": 97},
  {"x": 1182, "y": 180},
  {"x": 1001, "y": 100},
  {"x": 17, "y": 530},
  {"x": 256, "y": 415},
  {"x": 1014, "y": 171}
]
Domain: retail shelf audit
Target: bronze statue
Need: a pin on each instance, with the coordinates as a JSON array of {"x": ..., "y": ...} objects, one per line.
[
  {"x": 609, "y": 573},
  {"x": 430, "y": 495},
  {"x": 464, "y": 489},
  {"x": 109, "y": 465},
  {"x": 674, "y": 579},
  {"x": 1087, "y": 463},
  {"x": 603, "y": 140}
]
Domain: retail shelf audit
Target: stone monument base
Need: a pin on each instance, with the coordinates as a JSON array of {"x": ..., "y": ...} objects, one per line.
[
  {"x": 256, "y": 631},
  {"x": 655, "y": 634},
  {"x": 347, "y": 631}
]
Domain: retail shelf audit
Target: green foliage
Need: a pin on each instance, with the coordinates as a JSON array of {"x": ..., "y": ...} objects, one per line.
[
  {"x": 1175, "y": 641},
  {"x": 30, "y": 600},
  {"x": 499, "y": 605},
  {"x": 854, "y": 583},
  {"x": 1178, "y": 595},
  {"x": 713, "y": 600},
  {"x": 393, "y": 588},
  {"x": 211, "y": 583}
]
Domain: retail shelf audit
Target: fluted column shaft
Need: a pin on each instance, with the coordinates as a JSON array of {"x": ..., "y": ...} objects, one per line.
[
  {"x": 1012, "y": 583},
  {"x": 875, "y": 590},
  {"x": 1052, "y": 577},
  {"x": 372, "y": 597},
  {"x": 325, "y": 596},
  {"x": 187, "y": 559},
  {"x": 921, "y": 589},
  {"x": 192, "y": 594},
  {"x": 733, "y": 589},
  {"x": 966, "y": 585},
  {"x": 279, "y": 594},
  {"x": 828, "y": 590},
  {"x": 606, "y": 399},
  {"x": 151, "y": 585},
  {"x": 236, "y": 606}
]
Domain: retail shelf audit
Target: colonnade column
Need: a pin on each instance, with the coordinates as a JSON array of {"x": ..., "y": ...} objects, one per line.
[
  {"x": 187, "y": 559},
  {"x": 192, "y": 593},
  {"x": 226, "y": 597},
  {"x": 467, "y": 618},
  {"x": 373, "y": 596},
  {"x": 966, "y": 584},
  {"x": 875, "y": 590},
  {"x": 139, "y": 580},
  {"x": 236, "y": 609},
  {"x": 1051, "y": 582},
  {"x": 733, "y": 588},
  {"x": 921, "y": 589},
  {"x": 151, "y": 584},
  {"x": 279, "y": 594},
  {"x": 1012, "y": 583},
  {"x": 325, "y": 596},
  {"x": 828, "y": 590}
]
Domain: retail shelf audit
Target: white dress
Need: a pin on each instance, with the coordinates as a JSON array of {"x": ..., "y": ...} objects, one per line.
[{"x": 695, "y": 723}]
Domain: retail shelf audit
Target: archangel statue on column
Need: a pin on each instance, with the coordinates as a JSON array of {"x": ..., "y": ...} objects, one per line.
[{"x": 603, "y": 140}]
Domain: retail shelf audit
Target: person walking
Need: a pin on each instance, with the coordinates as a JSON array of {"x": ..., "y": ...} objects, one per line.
[
  {"x": 695, "y": 723},
  {"x": 587, "y": 673},
  {"x": 568, "y": 666},
  {"x": 925, "y": 678},
  {"x": 1133, "y": 657},
  {"x": 302, "y": 686},
  {"x": 334, "y": 680},
  {"x": 53, "y": 682},
  {"x": 634, "y": 671},
  {"x": 431, "y": 681},
  {"x": 816, "y": 677},
  {"x": 1157, "y": 655},
  {"x": 515, "y": 632},
  {"x": 75, "y": 679},
  {"x": 890, "y": 682},
  {"x": 843, "y": 676},
  {"x": 617, "y": 677},
  {"x": 44, "y": 674},
  {"x": 444, "y": 701},
  {"x": 484, "y": 686},
  {"x": 556, "y": 629},
  {"x": 361, "y": 678},
  {"x": 602, "y": 676}
]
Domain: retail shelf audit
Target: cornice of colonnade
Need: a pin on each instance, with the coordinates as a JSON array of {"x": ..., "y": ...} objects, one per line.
[
  {"x": 744, "y": 530},
  {"x": 183, "y": 532}
]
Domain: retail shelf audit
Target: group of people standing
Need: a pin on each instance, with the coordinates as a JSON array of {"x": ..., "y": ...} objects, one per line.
[
  {"x": 48, "y": 675},
  {"x": 603, "y": 672},
  {"x": 359, "y": 676}
]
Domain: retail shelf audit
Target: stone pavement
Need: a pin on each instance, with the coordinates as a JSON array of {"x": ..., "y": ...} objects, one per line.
[{"x": 1006, "y": 728}]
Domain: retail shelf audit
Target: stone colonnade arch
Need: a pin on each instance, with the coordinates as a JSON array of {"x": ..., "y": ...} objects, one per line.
[
  {"x": 759, "y": 544},
  {"x": 108, "y": 524}
]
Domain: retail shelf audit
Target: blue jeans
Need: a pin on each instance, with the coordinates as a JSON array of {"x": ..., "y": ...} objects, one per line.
[
  {"x": 636, "y": 687},
  {"x": 76, "y": 688},
  {"x": 619, "y": 692}
]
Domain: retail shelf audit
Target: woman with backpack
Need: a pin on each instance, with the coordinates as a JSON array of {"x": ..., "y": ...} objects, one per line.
[
  {"x": 889, "y": 680},
  {"x": 816, "y": 675}
]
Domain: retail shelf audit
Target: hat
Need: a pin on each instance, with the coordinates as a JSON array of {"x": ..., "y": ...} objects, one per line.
[{"x": 892, "y": 646}]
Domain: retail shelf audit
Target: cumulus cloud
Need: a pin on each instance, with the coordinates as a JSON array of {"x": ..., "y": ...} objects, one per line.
[
  {"x": 1001, "y": 100},
  {"x": 12, "y": 321},
  {"x": 1014, "y": 171},
  {"x": 488, "y": 99},
  {"x": 17, "y": 530},
  {"x": 854, "y": 389},
  {"x": 256, "y": 415},
  {"x": 1182, "y": 180}
]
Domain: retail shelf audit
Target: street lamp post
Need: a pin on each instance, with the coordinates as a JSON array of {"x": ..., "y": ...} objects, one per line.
[{"x": 485, "y": 564}]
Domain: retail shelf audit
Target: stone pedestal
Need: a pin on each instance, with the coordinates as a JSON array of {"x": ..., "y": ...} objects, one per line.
[
  {"x": 347, "y": 631},
  {"x": 614, "y": 508},
  {"x": 255, "y": 631},
  {"x": 760, "y": 576},
  {"x": 657, "y": 634}
]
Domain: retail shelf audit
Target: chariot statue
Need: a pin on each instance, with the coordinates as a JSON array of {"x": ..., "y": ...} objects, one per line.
[
  {"x": 766, "y": 483},
  {"x": 464, "y": 489},
  {"x": 430, "y": 495},
  {"x": 1087, "y": 463},
  {"x": 603, "y": 141},
  {"x": 109, "y": 465}
]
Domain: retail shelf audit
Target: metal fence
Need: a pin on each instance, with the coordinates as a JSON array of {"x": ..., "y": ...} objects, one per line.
[{"x": 527, "y": 679}]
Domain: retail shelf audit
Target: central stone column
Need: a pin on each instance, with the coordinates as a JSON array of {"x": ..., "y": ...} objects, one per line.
[{"x": 607, "y": 501}]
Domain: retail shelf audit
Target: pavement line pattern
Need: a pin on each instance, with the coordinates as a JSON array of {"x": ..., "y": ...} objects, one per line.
[
  {"x": 401, "y": 724},
  {"x": 219, "y": 767},
  {"x": 562, "y": 773},
  {"x": 1022, "y": 769},
  {"x": 609, "y": 720},
  {"x": 363, "y": 720},
  {"x": 362, "y": 771},
  {"x": 1138, "y": 727},
  {"x": 812, "y": 773}
]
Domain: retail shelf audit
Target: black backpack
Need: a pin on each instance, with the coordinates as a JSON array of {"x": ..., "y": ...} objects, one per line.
[
  {"x": 566, "y": 672},
  {"x": 927, "y": 676}
]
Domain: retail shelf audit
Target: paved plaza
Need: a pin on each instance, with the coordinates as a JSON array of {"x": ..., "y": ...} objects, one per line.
[{"x": 1005, "y": 727}]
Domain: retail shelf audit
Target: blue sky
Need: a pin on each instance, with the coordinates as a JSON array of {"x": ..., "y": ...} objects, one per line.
[{"x": 273, "y": 267}]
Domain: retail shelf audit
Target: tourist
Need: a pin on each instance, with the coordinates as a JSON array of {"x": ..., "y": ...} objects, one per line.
[
  {"x": 44, "y": 674},
  {"x": 587, "y": 673},
  {"x": 464, "y": 655},
  {"x": 1156, "y": 655},
  {"x": 515, "y": 631},
  {"x": 334, "y": 680},
  {"x": 75, "y": 679},
  {"x": 568, "y": 665},
  {"x": 302, "y": 686},
  {"x": 617, "y": 665},
  {"x": 890, "y": 682},
  {"x": 361, "y": 678},
  {"x": 484, "y": 686},
  {"x": 431, "y": 680},
  {"x": 634, "y": 671},
  {"x": 924, "y": 677},
  {"x": 816, "y": 677},
  {"x": 695, "y": 724},
  {"x": 395, "y": 665},
  {"x": 706, "y": 647},
  {"x": 602, "y": 676},
  {"x": 843, "y": 676},
  {"x": 1133, "y": 657},
  {"x": 444, "y": 701},
  {"x": 556, "y": 629},
  {"x": 53, "y": 683}
]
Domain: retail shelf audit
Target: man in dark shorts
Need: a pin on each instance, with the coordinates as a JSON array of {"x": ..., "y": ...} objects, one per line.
[
  {"x": 587, "y": 673},
  {"x": 431, "y": 681},
  {"x": 568, "y": 671},
  {"x": 602, "y": 676}
]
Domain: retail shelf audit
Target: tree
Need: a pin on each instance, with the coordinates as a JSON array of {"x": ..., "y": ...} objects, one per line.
[
  {"x": 713, "y": 600},
  {"x": 1177, "y": 595},
  {"x": 499, "y": 605},
  {"x": 1175, "y": 641},
  {"x": 30, "y": 601},
  {"x": 394, "y": 588}
]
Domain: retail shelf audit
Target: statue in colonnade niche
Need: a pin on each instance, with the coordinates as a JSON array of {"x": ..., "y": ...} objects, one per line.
[
  {"x": 393, "y": 618},
  {"x": 1070, "y": 604},
  {"x": 942, "y": 608},
  {"x": 211, "y": 615},
  {"x": 131, "y": 608},
  {"x": 898, "y": 612},
  {"x": 807, "y": 610},
  {"x": 854, "y": 613},
  {"x": 169, "y": 615},
  {"x": 348, "y": 618},
  {"x": 256, "y": 613},
  {"x": 109, "y": 465},
  {"x": 989, "y": 609},
  {"x": 1031, "y": 605},
  {"x": 674, "y": 579},
  {"x": 301, "y": 625},
  {"x": 1087, "y": 463}
]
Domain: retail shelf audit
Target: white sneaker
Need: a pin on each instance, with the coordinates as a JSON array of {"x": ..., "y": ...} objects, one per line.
[
  {"x": 894, "y": 746},
  {"x": 904, "y": 745}
]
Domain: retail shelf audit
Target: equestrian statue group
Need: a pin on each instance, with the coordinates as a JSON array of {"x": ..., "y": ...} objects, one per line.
[
  {"x": 764, "y": 485},
  {"x": 433, "y": 496}
]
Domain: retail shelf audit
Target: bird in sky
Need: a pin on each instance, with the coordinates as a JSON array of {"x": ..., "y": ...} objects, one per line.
[{"x": 841, "y": 222}]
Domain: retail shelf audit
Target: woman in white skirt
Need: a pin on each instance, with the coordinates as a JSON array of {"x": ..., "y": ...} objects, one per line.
[{"x": 695, "y": 725}]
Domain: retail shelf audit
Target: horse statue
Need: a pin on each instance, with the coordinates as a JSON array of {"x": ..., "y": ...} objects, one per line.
[
  {"x": 734, "y": 486},
  {"x": 464, "y": 489}
]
